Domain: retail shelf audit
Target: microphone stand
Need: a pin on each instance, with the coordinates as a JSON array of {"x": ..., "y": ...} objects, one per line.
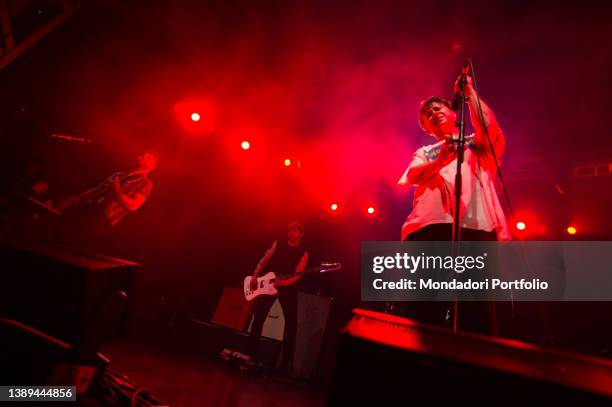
[
  {"x": 460, "y": 153},
  {"x": 456, "y": 237}
]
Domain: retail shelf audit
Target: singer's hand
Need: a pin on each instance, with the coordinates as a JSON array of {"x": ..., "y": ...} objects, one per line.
[
  {"x": 448, "y": 152},
  {"x": 469, "y": 86}
]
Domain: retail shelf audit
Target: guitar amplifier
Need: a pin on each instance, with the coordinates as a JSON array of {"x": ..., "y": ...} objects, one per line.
[
  {"x": 232, "y": 310},
  {"x": 56, "y": 289}
]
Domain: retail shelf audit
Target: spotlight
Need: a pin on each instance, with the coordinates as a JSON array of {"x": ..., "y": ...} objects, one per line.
[
  {"x": 521, "y": 225},
  {"x": 245, "y": 145},
  {"x": 571, "y": 230},
  {"x": 334, "y": 207},
  {"x": 197, "y": 115},
  {"x": 287, "y": 162},
  {"x": 371, "y": 210}
]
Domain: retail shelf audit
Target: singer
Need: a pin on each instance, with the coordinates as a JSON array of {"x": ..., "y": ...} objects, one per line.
[{"x": 433, "y": 168}]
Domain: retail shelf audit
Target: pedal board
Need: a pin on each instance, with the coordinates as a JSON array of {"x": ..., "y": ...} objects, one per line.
[{"x": 242, "y": 361}]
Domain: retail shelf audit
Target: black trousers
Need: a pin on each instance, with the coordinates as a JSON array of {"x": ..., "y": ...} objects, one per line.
[
  {"x": 444, "y": 232},
  {"x": 287, "y": 297},
  {"x": 473, "y": 316}
]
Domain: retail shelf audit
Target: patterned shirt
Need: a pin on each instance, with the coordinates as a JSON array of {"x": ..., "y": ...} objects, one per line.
[
  {"x": 131, "y": 186},
  {"x": 434, "y": 198}
]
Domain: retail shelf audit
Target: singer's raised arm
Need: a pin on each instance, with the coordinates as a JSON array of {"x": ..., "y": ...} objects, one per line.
[{"x": 489, "y": 121}]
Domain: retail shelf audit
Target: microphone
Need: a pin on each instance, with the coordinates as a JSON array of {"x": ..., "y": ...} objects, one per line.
[{"x": 457, "y": 97}]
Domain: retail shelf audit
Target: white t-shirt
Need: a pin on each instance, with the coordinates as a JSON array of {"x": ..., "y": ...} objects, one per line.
[{"x": 434, "y": 198}]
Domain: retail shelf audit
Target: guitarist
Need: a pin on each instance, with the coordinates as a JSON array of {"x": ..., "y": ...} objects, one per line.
[
  {"x": 99, "y": 209},
  {"x": 287, "y": 259}
]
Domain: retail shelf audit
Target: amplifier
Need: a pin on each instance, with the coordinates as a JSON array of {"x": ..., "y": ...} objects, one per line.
[{"x": 57, "y": 290}]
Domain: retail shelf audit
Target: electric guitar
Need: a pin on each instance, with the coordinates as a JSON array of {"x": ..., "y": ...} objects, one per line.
[
  {"x": 96, "y": 196},
  {"x": 265, "y": 283}
]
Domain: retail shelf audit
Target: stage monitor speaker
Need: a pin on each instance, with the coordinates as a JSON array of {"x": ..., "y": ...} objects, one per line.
[
  {"x": 384, "y": 359},
  {"x": 57, "y": 290}
]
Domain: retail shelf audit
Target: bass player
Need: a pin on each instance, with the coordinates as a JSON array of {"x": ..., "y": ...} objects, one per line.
[{"x": 287, "y": 258}]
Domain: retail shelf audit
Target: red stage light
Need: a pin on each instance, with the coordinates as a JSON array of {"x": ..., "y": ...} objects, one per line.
[
  {"x": 371, "y": 210},
  {"x": 334, "y": 206},
  {"x": 245, "y": 145},
  {"x": 571, "y": 230},
  {"x": 287, "y": 162},
  {"x": 197, "y": 115},
  {"x": 521, "y": 225}
]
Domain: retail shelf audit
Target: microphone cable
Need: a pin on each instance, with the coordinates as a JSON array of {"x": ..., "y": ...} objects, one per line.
[{"x": 485, "y": 129}]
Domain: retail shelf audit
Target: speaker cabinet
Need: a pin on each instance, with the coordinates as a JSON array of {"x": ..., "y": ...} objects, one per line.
[{"x": 57, "y": 290}]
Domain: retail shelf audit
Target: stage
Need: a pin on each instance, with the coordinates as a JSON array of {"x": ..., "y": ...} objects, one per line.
[{"x": 179, "y": 378}]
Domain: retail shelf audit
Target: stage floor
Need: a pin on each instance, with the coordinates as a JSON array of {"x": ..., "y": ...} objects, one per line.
[{"x": 183, "y": 380}]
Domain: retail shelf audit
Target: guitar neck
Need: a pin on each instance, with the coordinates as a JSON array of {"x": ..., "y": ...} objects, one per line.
[
  {"x": 43, "y": 205},
  {"x": 316, "y": 269}
]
